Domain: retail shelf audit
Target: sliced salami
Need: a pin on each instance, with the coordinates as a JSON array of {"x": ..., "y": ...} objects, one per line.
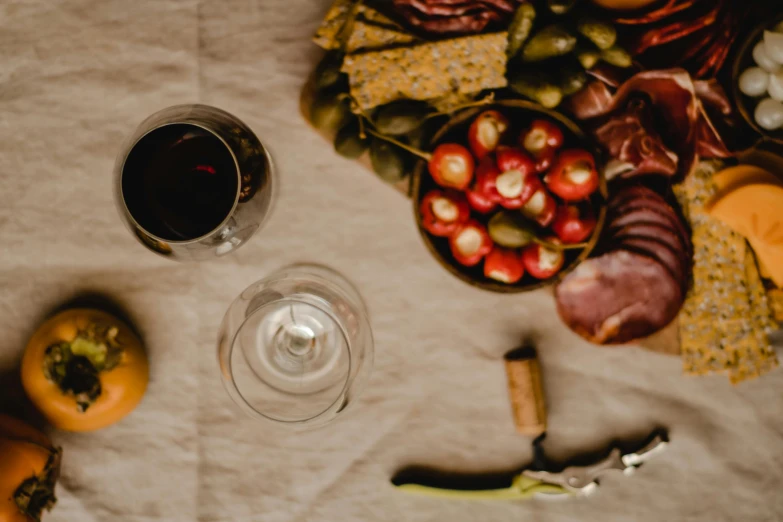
[
  {"x": 657, "y": 205},
  {"x": 618, "y": 297},
  {"x": 659, "y": 251},
  {"x": 445, "y": 9},
  {"x": 655, "y": 231}
]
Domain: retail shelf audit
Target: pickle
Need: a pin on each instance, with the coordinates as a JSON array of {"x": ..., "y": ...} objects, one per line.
[
  {"x": 617, "y": 56},
  {"x": 510, "y": 230},
  {"x": 587, "y": 56},
  {"x": 348, "y": 143},
  {"x": 401, "y": 117},
  {"x": 520, "y": 28},
  {"x": 560, "y": 6},
  {"x": 571, "y": 78},
  {"x": 387, "y": 161},
  {"x": 330, "y": 113},
  {"x": 549, "y": 42},
  {"x": 538, "y": 87},
  {"x": 602, "y": 34}
]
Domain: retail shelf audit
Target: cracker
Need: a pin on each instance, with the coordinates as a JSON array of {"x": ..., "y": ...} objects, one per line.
[
  {"x": 367, "y": 36},
  {"x": 428, "y": 70},
  {"x": 725, "y": 318},
  {"x": 327, "y": 34}
]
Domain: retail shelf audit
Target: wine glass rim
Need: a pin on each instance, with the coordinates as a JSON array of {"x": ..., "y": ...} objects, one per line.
[
  {"x": 213, "y": 133},
  {"x": 245, "y": 404}
]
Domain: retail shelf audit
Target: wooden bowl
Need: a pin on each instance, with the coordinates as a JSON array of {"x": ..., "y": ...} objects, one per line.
[
  {"x": 520, "y": 113},
  {"x": 746, "y": 105}
]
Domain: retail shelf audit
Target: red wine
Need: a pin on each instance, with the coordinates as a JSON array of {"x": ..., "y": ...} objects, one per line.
[{"x": 180, "y": 182}]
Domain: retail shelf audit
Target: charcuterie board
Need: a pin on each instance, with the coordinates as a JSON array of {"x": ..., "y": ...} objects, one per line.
[{"x": 395, "y": 73}]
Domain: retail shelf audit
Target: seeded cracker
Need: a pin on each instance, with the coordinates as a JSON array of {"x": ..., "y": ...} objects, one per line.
[
  {"x": 338, "y": 14},
  {"x": 366, "y": 36},
  {"x": 429, "y": 70},
  {"x": 775, "y": 297},
  {"x": 756, "y": 363},
  {"x": 720, "y": 326}
]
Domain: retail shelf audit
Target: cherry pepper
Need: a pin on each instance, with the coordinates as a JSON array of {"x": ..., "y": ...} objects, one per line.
[
  {"x": 504, "y": 265},
  {"x": 541, "y": 140},
  {"x": 451, "y": 166},
  {"x": 517, "y": 181},
  {"x": 483, "y": 196},
  {"x": 470, "y": 243},
  {"x": 573, "y": 177},
  {"x": 542, "y": 262},
  {"x": 485, "y": 133},
  {"x": 573, "y": 224},
  {"x": 541, "y": 207},
  {"x": 443, "y": 212}
]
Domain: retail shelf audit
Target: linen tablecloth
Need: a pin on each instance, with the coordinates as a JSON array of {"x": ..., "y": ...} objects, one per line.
[{"x": 77, "y": 76}]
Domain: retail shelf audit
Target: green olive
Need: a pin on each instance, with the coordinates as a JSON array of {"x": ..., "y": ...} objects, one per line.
[
  {"x": 387, "y": 161},
  {"x": 328, "y": 73},
  {"x": 421, "y": 136},
  {"x": 400, "y": 117},
  {"x": 510, "y": 230},
  {"x": 330, "y": 113},
  {"x": 348, "y": 143}
]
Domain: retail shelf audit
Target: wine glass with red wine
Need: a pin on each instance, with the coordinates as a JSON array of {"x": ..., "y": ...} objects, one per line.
[{"x": 193, "y": 182}]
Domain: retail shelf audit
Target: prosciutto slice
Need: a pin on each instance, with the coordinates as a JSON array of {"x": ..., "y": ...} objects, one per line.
[{"x": 674, "y": 98}]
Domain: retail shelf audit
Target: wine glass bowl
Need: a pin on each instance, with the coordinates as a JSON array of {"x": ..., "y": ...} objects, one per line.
[
  {"x": 193, "y": 182},
  {"x": 296, "y": 347}
]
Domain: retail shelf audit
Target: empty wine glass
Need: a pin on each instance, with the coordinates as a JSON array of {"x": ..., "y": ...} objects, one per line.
[
  {"x": 193, "y": 182},
  {"x": 296, "y": 347}
]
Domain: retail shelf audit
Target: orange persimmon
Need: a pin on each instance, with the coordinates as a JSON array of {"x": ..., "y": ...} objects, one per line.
[
  {"x": 29, "y": 467},
  {"x": 84, "y": 370}
]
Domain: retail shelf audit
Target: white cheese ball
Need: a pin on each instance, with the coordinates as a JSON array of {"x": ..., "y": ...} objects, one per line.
[
  {"x": 769, "y": 114},
  {"x": 773, "y": 45},
  {"x": 764, "y": 61},
  {"x": 775, "y": 86},
  {"x": 754, "y": 81}
]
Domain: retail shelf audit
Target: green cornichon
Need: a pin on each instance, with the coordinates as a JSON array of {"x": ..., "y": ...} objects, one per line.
[
  {"x": 572, "y": 79},
  {"x": 387, "y": 161},
  {"x": 551, "y": 41},
  {"x": 617, "y": 56},
  {"x": 587, "y": 55},
  {"x": 538, "y": 87},
  {"x": 560, "y": 6},
  {"x": 602, "y": 34},
  {"x": 520, "y": 28}
]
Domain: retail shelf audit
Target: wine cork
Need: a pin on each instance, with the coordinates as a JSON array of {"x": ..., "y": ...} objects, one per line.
[{"x": 526, "y": 391}]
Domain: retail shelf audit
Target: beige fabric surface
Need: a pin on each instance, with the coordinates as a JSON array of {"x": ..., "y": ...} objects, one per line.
[{"x": 77, "y": 76}]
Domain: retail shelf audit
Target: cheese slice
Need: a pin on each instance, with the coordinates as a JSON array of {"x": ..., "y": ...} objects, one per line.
[{"x": 755, "y": 211}]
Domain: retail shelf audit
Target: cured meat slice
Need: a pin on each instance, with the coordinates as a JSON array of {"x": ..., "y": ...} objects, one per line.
[
  {"x": 655, "y": 205},
  {"x": 666, "y": 234},
  {"x": 445, "y": 9},
  {"x": 618, "y": 297},
  {"x": 659, "y": 251}
]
